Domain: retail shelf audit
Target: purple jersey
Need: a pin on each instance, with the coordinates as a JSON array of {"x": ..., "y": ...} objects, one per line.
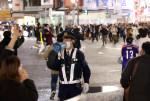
[{"x": 128, "y": 52}]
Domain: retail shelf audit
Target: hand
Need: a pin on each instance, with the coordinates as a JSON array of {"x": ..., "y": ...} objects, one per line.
[
  {"x": 23, "y": 74},
  {"x": 85, "y": 88},
  {"x": 16, "y": 32}
]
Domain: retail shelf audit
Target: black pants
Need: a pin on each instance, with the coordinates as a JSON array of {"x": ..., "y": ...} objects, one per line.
[
  {"x": 29, "y": 33},
  {"x": 124, "y": 38},
  {"x": 118, "y": 36},
  {"x": 110, "y": 37},
  {"x": 67, "y": 91},
  {"x": 104, "y": 39},
  {"x": 94, "y": 35}
]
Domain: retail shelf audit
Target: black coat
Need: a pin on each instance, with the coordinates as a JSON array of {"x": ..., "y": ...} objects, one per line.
[
  {"x": 6, "y": 41},
  {"x": 104, "y": 31},
  {"x": 96, "y": 29},
  {"x": 39, "y": 38},
  {"x": 140, "y": 87},
  {"x": 81, "y": 66},
  {"x": 5, "y": 54},
  {"x": 15, "y": 91}
]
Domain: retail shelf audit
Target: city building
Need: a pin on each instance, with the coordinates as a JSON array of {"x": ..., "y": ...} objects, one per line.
[
  {"x": 5, "y": 10},
  {"x": 75, "y": 11}
]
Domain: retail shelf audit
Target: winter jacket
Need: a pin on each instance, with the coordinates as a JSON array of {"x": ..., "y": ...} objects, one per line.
[
  {"x": 16, "y": 91},
  {"x": 140, "y": 89}
]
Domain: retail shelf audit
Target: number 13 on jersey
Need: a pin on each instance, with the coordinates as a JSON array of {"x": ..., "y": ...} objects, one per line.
[{"x": 129, "y": 54}]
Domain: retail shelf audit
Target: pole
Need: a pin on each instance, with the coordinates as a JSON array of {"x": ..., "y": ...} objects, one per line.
[
  {"x": 78, "y": 12},
  {"x": 73, "y": 14},
  {"x": 115, "y": 6},
  {"x": 45, "y": 16}
]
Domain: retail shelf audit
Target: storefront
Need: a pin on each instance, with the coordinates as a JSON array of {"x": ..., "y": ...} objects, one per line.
[
  {"x": 52, "y": 17},
  {"x": 109, "y": 11}
]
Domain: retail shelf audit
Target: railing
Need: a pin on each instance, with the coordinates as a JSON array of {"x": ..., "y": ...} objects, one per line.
[{"x": 33, "y": 8}]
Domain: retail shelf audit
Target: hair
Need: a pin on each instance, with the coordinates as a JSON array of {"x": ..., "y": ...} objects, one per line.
[
  {"x": 40, "y": 27},
  {"x": 142, "y": 32},
  {"x": 38, "y": 24},
  {"x": 10, "y": 69},
  {"x": 46, "y": 25},
  {"x": 146, "y": 47},
  {"x": 7, "y": 34},
  {"x": 129, "y": 40},
  {"x": 138, "y": 37}
]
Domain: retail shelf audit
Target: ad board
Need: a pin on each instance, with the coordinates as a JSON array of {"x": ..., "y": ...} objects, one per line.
[
  {"x": 5, "y": 15},
  {"x": 98, "y": 4}
]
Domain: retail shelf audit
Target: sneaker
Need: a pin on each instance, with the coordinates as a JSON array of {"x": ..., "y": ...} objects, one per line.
[
  {"x": 52, "y": 95},
  {"x": 34, "y": 47}
]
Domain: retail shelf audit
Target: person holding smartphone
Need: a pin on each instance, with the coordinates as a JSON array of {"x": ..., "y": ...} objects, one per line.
[{"x": 14, "y": 81}]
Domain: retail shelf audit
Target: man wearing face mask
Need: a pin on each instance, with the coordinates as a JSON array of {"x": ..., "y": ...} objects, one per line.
[{"x": 71, "y": 64}]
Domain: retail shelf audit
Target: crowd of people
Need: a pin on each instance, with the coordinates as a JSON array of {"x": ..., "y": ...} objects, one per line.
[
  {"x": 70, "y": 64},
  {"x": 113, "y": 32}
]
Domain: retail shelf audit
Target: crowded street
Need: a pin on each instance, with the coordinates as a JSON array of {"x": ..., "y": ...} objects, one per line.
[
  {"x": 74, "y": 50},
  {"x": 102, "y": 60}
]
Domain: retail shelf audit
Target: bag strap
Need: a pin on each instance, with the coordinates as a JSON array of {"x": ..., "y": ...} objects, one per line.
[{"x": 135, "y": 68}]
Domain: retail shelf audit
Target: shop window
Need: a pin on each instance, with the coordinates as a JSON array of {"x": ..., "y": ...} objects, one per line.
[{"x": 34, "y": 2}]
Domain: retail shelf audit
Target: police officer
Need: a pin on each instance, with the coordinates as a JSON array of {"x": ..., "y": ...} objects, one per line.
[{"x": 71, "y": 65}]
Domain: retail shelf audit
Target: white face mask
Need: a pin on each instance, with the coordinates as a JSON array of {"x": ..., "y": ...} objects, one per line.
[{"x": 68, "y": 44}]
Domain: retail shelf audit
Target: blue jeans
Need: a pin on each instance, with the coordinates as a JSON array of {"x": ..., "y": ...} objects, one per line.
[{"x": 54, "y": 81}]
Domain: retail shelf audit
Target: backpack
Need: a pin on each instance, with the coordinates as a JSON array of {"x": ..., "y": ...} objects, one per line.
[{"x": 51, "y": 58}]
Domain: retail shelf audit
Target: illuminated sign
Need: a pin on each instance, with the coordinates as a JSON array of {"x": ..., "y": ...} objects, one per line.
[
  {"x": 123, "y": 2},
  {"x": 5, "y": 15},
  {"x": 4, "y": 11},
  {"x": 97, "y": 4},
  {"x": 17, "y": 3},
  {"x": 105, "y": 2}
]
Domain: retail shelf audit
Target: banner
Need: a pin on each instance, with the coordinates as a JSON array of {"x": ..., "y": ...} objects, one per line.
[
  {"x": 97, "y": 4},
  {"x": 123, "y": 2},
  {"x": 5, "y": 19},
  {"x": 4, "y": 11},
  {"x": 110, "y": 4},
  {"x": 17, "y": 3},
  {"x": 5, "y": 15}
]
